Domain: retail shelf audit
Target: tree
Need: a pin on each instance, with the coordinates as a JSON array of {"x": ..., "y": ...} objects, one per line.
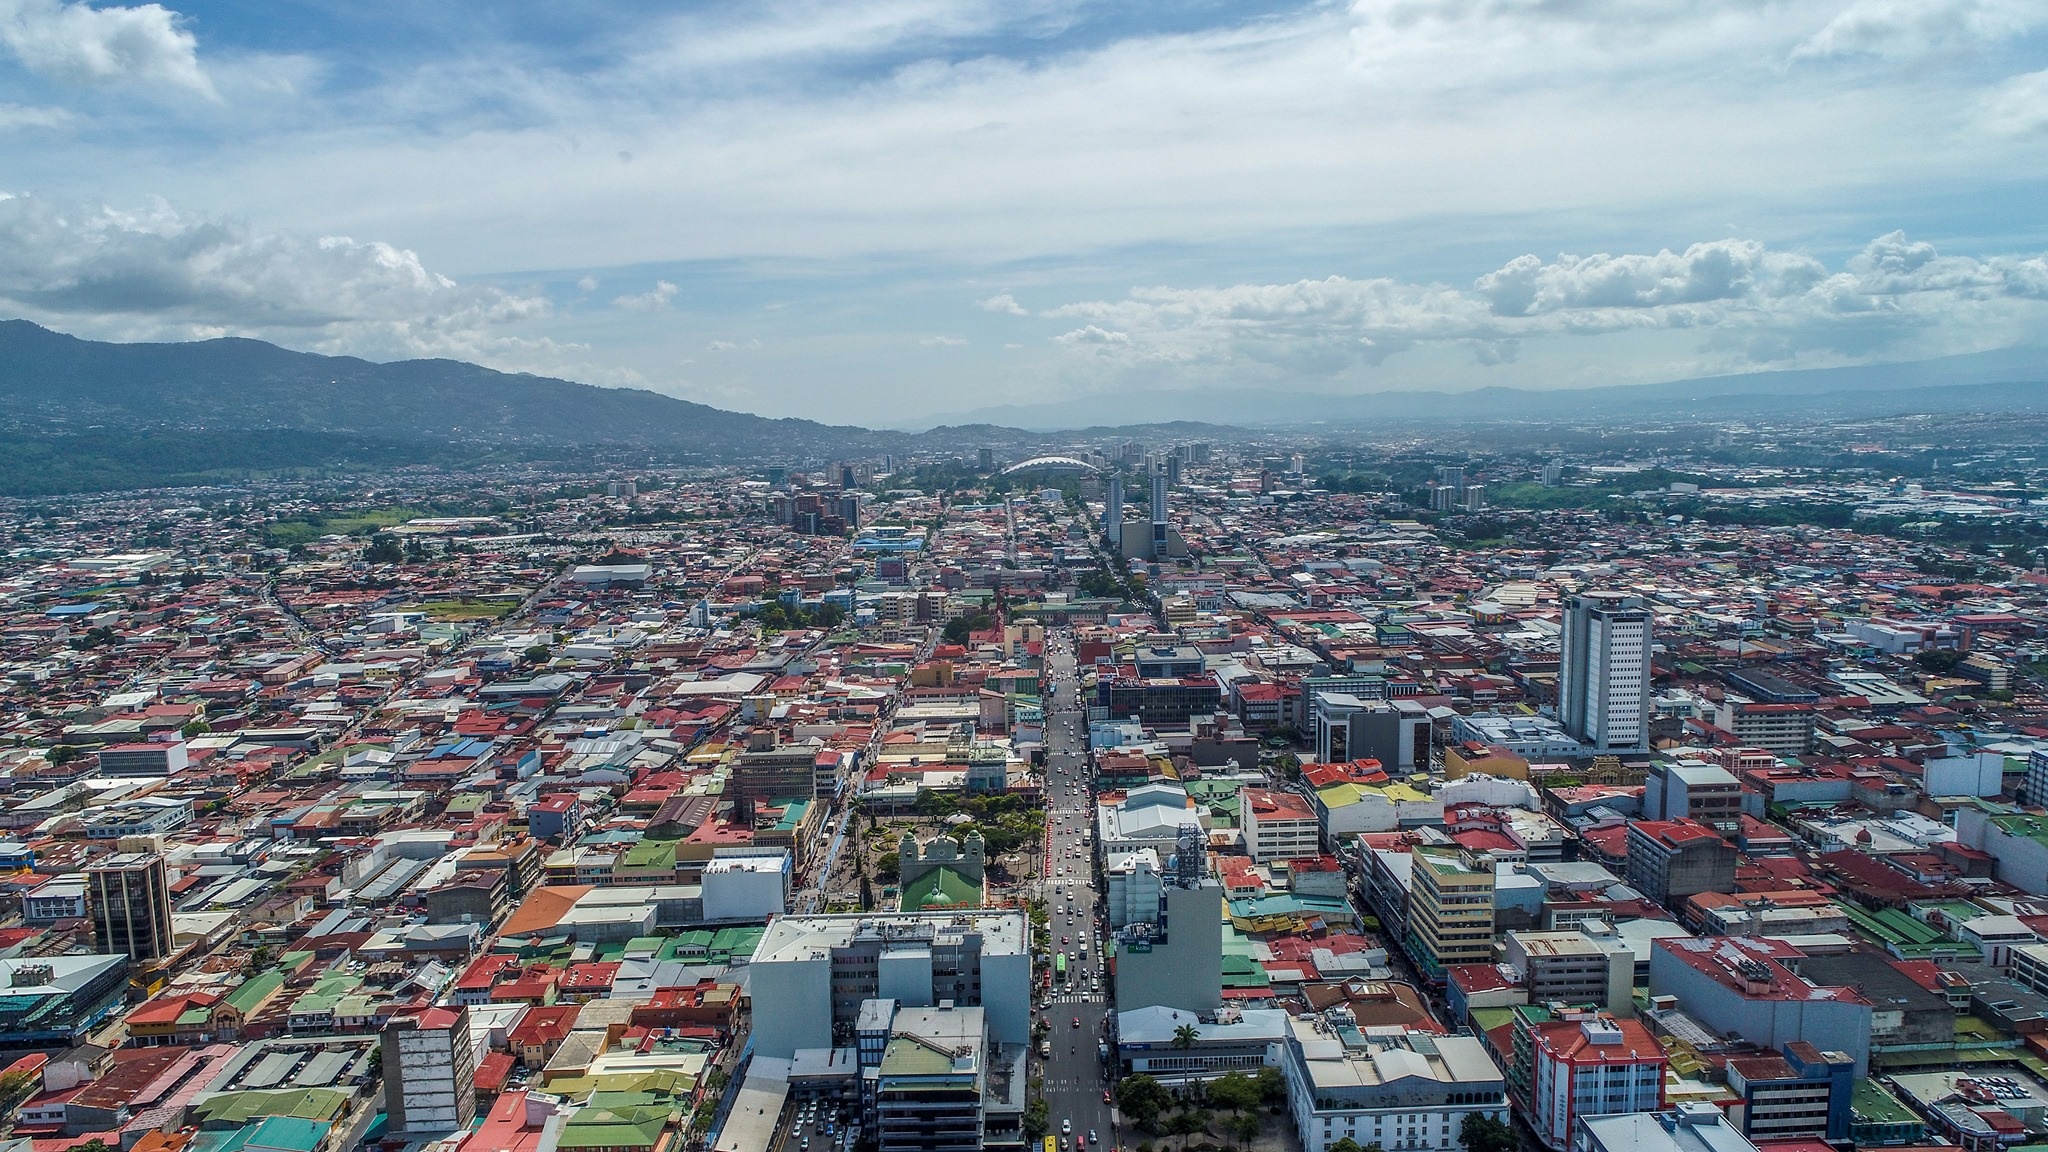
[
  {"x": 1142, "y": 1098},
  {"x": 1481, "y": 1133},
  {"x": 1186, "y": 1036},
  {"x": 536, "y": 654},
  {"x": 383, "y": 550},
  {"x": 889, "y": 866},
  {"x": 959, "y": 628},
  {"x": 1347, "y": 1144},
  {"x": 1272, "y": 1085},
  {"x": 61, "y": 754},
  {"x": 1235, "y": 1091},
  {"x": 1939, "y": 661},
  {"x": 1245, "y": 1126},
  {"x": 1037, "y": 1121}
]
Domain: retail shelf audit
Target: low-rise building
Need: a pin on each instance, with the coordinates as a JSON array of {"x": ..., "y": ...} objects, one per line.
[{"x": 1385, "y": 1086}]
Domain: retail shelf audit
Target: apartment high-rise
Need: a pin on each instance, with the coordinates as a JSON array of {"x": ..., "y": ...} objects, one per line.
[
  {"x": 129, "y": 898},
  {"x": 1113, "y": 509},
  {"x": 429, "y": 1072},
  {"x": 1159, "y": 486},
  {"x": 1450, "y": 909},
  {"x": 1604, "y": 674}
]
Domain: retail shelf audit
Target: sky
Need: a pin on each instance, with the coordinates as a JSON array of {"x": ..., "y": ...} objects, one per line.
[{"x": 895, "y": 212}]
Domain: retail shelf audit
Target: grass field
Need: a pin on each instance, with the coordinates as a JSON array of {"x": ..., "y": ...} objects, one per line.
[
  {"x": 285, "y": 533},
  {"x": 465, "y": 609}
]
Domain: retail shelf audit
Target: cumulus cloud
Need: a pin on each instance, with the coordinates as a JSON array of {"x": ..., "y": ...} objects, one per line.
[
  {"x": 76, "y": 43},
  {"x": 1721, "y": 270},
  {"x": 942, "y": 342},
  {"x": 2019, "y": 106},
  {"x": 17, "y": 116},
  {"x": 1092, "y": 335},
  {"x": 1899, "y": 27},
  {"x": 155, "y": 272},
  {"x": 652, "y": 300},
  {"x": 1778, "y": 305},
  {"x": 1005, "y": 304}
]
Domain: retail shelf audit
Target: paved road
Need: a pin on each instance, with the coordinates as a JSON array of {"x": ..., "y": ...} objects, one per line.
[{"x": 1075, "y": 1076}]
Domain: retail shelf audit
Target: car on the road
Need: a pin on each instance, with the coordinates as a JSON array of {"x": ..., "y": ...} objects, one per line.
[
  {"x": 1091, "y": 1134},
  {"x": 1105, "y": 1096},
  {"x": 1066, "y": 1127},
  {"x": 1077, "y": 1024}
]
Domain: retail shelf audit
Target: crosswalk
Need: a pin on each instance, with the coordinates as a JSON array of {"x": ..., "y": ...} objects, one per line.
[{"x": 1074, "y": 998}]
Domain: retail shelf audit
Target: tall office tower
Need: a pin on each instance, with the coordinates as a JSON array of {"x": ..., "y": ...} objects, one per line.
[
  {"x": 1113, "y": 510},
  {"x": 1173, "y": 469},
  {"x": 429, "y": 1072},
  {"x": 1159, "y": 534},
  {"x": 987, "y": 460},
  {"x": 1198, "y": 453},
  {"x": 849, "y": 511},
  {"x": 1603, "y": 693},
  {"x": 129, "y": 898},
  {"x": 847, "y": 477}
]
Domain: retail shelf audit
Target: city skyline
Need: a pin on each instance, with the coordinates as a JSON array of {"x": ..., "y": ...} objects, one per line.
[{"x": 896, "y": 211}]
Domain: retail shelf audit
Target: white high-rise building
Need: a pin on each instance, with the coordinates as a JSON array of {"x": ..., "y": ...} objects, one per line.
[{"x": 1603, "y": 683}]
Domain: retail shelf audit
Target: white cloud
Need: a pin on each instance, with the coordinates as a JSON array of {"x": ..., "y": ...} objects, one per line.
[
  {"x": 652, "y": 300},
  {"x": 587, "y": 284},
  {"x": 942, "y": 342},
  {"x": 77, "y": 43},
  {"x": 1906, "y": 27},
  {"x": 720, "y": 346},
  {"x": 16, "y": 116},
  {"x": 1092, "y": 335},
  {"x": 2019, "y": 106},
  {"x": 1005, "y": 304},
  {"x": 1775, "y": 306},
  {"x": 156, "y": 273}
]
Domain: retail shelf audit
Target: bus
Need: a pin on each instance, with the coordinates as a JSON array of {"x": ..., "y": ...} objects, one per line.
[
  {"x": 1051, "y": 1145},
  {"x": 1059, "y": 966}
]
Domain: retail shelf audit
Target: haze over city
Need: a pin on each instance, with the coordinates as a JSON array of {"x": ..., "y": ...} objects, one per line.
[
  {"x": 925, "y": 576},
  {"x": 895, "y": 211}
]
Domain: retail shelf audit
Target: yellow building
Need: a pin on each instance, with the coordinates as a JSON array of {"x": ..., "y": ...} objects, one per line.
[{"x": 1450, "y": 909}]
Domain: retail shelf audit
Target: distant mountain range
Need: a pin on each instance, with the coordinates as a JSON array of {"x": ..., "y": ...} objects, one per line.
[
  {"x": 258, "y": 400},
  {"x": 2009, "y": 379},
  {"x": 53, "y": 383}
]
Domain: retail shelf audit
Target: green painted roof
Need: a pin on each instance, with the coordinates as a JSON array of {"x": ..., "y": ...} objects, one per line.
[
  {"x": 650, "y": 853},
  {"x": 254, "y": 990},
  {"x": 942, "y": 887},
  {"x": 618, "y": 1120},
  {"x": 243, "y": 1108}
]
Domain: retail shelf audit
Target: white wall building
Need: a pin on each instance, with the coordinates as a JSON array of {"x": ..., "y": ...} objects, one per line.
[
  {"x": 1604, "y": 673},
  {"x": 1132, "y": 886},
  {"x": 744, "y": 888},
  {"x": 1401, "y": 1090},
  {"x": 812, "y": 972}
]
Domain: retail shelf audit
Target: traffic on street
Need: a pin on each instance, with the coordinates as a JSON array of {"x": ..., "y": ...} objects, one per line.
[{"x": 1074, "y": 996}]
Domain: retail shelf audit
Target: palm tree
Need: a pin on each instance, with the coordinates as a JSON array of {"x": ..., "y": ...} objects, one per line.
[{"x": 1186, "y": 1036}]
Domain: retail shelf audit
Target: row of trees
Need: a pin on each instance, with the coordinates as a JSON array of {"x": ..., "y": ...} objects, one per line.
[{"x": 1239, "y": 1097}]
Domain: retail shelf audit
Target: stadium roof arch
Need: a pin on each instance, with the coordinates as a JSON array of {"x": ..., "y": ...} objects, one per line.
[{"x": 1050, "y": 464}]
